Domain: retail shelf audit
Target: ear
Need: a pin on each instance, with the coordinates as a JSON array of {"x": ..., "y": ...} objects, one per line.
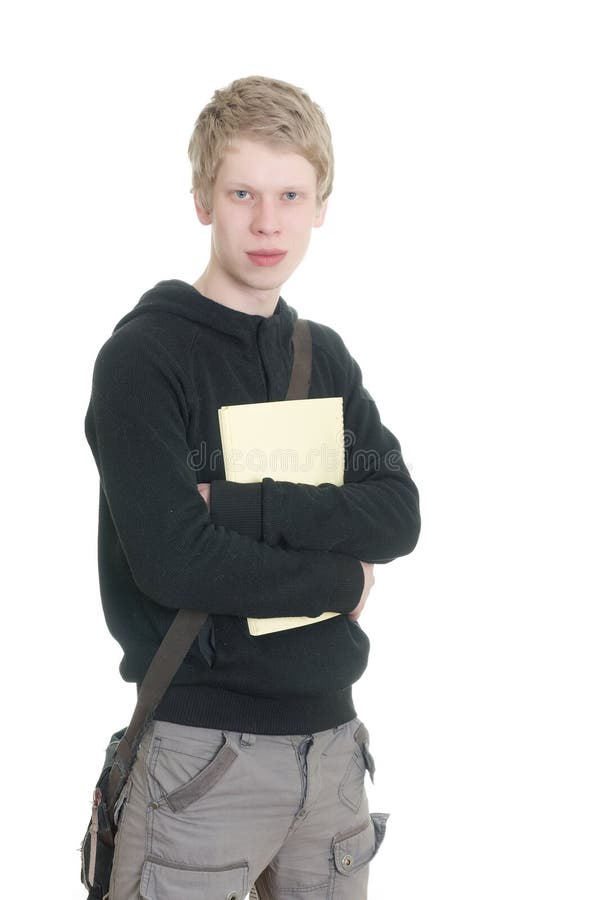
[
  {"x": 321, "y": 215},
  {"x": 203, "y": 215}
]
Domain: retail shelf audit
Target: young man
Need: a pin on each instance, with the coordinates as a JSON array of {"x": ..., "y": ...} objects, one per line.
[{"x": 257, "y": 738}]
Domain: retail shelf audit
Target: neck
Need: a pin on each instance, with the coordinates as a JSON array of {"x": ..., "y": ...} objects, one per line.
[{"x": 235, "y": 296}]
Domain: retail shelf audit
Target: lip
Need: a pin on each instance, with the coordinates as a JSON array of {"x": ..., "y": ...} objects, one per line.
[{"x": 266, "y": 257}]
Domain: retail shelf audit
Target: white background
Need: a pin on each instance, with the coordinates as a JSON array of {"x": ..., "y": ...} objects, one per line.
[{"x": 458, "y": 262}]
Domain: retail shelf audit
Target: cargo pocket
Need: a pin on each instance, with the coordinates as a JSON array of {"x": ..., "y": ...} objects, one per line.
[
  {"x": 356, "y": 848},
  {"x": 162, "y": 880},
  {"x": 182, "y": 771},
  {"x": 351, "y": 787}
]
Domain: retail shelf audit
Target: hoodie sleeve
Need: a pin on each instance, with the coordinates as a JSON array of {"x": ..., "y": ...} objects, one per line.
[
  {"x": 374, "y": 516},
  {"x": 136, "y": 426}
]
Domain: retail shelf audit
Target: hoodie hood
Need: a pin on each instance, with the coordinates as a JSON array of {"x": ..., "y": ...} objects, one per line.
[{"x": 181, "y": 299}]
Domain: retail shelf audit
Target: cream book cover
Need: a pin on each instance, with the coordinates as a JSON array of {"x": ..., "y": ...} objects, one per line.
[{"x": 288, "y": 440}]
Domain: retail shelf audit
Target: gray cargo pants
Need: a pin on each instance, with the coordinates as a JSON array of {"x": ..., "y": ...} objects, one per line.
[{"x": 206, "y": 813}]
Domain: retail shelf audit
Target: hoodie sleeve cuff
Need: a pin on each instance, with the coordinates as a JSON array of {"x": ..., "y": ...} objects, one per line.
[
  {"x": 238, "y": 506},
  {"x": 350, "y": 582}
]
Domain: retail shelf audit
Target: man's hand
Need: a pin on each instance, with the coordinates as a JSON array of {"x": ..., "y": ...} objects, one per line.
[
  {"x": 368, "y": 574},
  {"x": 204, "y": 490}
]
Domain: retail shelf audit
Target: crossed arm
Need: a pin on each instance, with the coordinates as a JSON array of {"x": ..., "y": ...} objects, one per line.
[
  {"x": 373, "y": 516},
  {"x": 368, "y": 568}
]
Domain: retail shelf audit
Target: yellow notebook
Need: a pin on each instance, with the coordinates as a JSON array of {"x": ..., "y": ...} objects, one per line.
[{"x": 289, "y": 440}]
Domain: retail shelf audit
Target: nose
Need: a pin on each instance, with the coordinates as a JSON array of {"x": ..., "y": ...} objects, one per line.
[{"x": 265, "y": 218}]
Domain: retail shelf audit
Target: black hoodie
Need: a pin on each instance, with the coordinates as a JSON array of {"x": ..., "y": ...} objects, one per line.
[{"x": 273, "y": 548}]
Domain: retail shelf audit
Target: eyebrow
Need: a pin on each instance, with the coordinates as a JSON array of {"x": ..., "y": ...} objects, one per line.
[{"x": 246, "y": 187}]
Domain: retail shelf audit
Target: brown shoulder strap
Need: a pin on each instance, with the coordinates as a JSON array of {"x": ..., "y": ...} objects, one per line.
[
  {"x": 187, "y": 622},
  {"x": 301, "y": 374},
  {"x": 162, "y": 669}
]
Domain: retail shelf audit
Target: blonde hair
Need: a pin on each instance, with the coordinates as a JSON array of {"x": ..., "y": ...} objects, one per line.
[{"x": 263, "y": 109}]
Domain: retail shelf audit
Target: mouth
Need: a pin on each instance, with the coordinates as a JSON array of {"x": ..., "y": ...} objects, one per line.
[{"x": 266, "y": 257}]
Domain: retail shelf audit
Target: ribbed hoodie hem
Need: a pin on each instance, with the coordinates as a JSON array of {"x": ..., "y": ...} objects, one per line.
[{"x": 209, "y": 707}]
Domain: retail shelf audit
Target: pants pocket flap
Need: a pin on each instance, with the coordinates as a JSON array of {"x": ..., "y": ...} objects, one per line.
[
  {"x": 379, "y": 820},
  {"x": 205, "y": 780},
  {"x": 164, "y": 880},
  {"x": 354, "y": 849}
]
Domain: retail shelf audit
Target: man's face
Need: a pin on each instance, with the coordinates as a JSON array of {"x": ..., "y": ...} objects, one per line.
[{"x": 263, "y": 199}]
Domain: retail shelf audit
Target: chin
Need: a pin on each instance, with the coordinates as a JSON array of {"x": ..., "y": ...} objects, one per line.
[
  {"x": 268, "y": 286},
  {"x": 264, "y": 280}
]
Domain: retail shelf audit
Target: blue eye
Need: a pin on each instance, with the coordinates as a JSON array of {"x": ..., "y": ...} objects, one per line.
[{"x": 287, "y": 193}]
